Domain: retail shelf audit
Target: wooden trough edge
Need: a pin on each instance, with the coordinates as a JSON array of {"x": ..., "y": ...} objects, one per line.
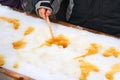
[{"x": 14, "y": 75}]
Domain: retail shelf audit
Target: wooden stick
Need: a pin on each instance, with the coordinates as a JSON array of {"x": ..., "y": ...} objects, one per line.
[
  {"x": 50, "y": 27},
  {"x": 14, "y": 75}
]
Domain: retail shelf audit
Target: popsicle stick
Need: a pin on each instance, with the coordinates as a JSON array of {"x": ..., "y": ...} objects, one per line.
[{"x": 50, "y": 27}]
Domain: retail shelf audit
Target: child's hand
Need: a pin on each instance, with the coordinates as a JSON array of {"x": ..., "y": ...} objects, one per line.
[{"x": 44, "y": 13}]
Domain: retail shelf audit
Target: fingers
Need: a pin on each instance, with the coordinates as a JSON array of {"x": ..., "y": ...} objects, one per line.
[
  {"x": 44, "y": 13},
  {"x": 48, "y": 13}
]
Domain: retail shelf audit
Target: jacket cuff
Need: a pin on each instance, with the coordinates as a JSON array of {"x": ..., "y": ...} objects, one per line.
[{"x": 43, "y": 4}]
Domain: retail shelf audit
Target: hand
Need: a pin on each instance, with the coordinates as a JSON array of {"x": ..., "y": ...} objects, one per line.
[{"x": 44, "y": 13}]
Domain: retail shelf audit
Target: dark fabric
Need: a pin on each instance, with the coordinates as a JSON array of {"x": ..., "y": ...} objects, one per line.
[
  {"x": 46, "y": 5},
  {"x": 34, "y": 2},
  {"x": 12, "y": 3},
  {"x": 80, "y": 11},
  {"x": 104, "y": 16},
  {"x": 61, "y": 15}
]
